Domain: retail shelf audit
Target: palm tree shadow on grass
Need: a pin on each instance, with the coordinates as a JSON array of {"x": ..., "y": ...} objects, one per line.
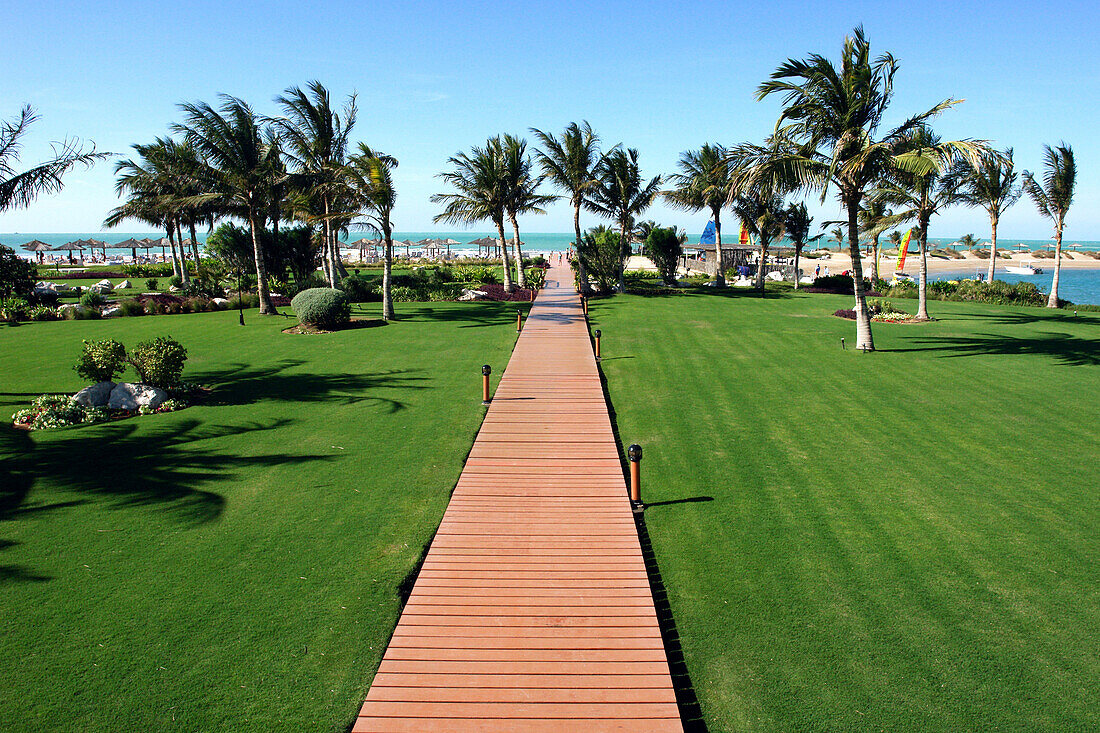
[
  {"x": 472, "y": 315},
  {"x": 726, "y": 292},
  {"x": 1064, "y": 348},
  {"x": 244, "y": 384},
  {"x": 128, "y": 465}
]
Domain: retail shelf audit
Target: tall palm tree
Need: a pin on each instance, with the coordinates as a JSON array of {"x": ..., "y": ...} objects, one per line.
[
  {"x": 569, "y": 163},
  {"x": 369, "y": 174},
  {"x": 523, "y": 196},
  {"x": 829, "y": 137},
  {"x": 1053, "y": 198},
  {"x": 703, "y": 183},
  {"x": 480, "y": 180},
  {"x": 620, "y": 194},
  {"x": 796, "y": 225},
  {"x": 991, "y": 185},
  {"x": 763, "y": 216},
  {"x": 315, "y": 141},
  {"x": 231, "y": 142},
  {"x": 18, "y": 189},
  {"x": 837, "y": 235},
  {"x": 872, "y": 214},
  {"x": 917, "y": 197}
]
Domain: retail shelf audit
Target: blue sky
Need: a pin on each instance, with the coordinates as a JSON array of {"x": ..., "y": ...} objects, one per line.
[{"x": 434, "y": 78}]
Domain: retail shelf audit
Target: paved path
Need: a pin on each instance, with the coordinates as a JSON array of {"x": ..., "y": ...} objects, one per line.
[{"x": 533, "y": 610}]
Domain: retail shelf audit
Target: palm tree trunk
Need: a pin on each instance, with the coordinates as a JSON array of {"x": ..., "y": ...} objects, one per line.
[
  {"x": 521, "y": 278},
  {"x": 582, "y": 274},
  {"x": 864, "y": 340},
  {"x": 194, "y": 242},
  {"x": 275, "y": 237},
  {"x": 624, "y": 247},
  {"x": 504, "y": 258},
  {"x": 1052, "y": 299},
  {"x": 922, "y": 277},
  {"x": 992, "y": 248},
  {"x": 387, "y": 267},
  {"x": 719, "y": 264},
  {"x": 266, "y": 306},
  {"x": 874, "y": 265},
  {"x": 330, "y": 268},
  {"x": 763, "y": 262},
  {"x": 797, "y": 253},
  {"x": 176, "y": 269}
]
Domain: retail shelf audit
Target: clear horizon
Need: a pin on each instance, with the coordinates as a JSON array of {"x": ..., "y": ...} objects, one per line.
[{"x": 115, "y": 75}]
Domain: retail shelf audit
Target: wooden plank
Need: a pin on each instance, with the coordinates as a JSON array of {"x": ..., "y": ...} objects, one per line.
[{"x": 532, "y": 611}]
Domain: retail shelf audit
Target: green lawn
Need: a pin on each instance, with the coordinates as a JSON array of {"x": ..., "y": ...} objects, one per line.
[
  {"x": 904, "y": 540},
  {"x": 236, "y": 565}
]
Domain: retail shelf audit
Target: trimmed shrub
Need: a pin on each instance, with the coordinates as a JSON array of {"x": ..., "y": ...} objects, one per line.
[
  {"x": 536, "y": 278},
  {"x": 130, "y": 307},
  {"x": 13, "y": 308},
  {"x": 359, "y": 289},
  {"x": 321, "y": 307},
  {"x": 43, "y": 313},
  {"x": 92, "y": 299},
  {"x": 159, "y": 362},
  {"x": 101, "y": 361},
  {"x": 152, "y": 284}
]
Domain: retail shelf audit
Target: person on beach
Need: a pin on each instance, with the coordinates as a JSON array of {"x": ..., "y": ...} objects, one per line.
[{"x": 817, "y": 271}]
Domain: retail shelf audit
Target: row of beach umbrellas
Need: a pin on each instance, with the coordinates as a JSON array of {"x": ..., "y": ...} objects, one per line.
[
  {"x": 79, "y": 245},
  {"x": 489, "y": 243}
]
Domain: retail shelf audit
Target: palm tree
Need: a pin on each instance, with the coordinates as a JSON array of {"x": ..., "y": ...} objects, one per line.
[
  {"x": 523, "y": 196},
  {"x": 315, "y": 139},
  {"x": 796, "y": 225},
  {"x": 480, "y": 180},
  {"x": 231, "y": 142},
  {"x": 704, "y": 182},
  {"x": 19, "y": 189},
  {"x": 991, "y": 185},
  {"x": 369, "y": 174},
  {"x": 872, "y": 214},
  {"x": 1053, "y": 198},
  {"x": 762, "y": 215},
  {"x": 836, "y": 234},
  {"x": 968, "y": 241},
  {"x": 643, "y": 229},
  {"x": 620, "y": 194},
  {"x": 570, "y": 164},
  {"x": 917, "y": 197},
  {"x": 828, "y": 136}
]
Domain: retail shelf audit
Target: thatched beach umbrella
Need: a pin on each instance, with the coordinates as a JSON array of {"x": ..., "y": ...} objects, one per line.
[
  {"x": 38, "y": 247},
  {"x": 132, "y": 243},
  {"x": 70, "y": 247}
]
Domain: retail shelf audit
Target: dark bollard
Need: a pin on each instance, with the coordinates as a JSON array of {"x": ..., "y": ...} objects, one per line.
[
  {"x": 584, "y": 304},
  {"x": 842, "y": 346},
  {"x": 485, "y": 372},
  {"x": 519, "y": 321},
  {"x": 634, "y": 453},
  {"x": 597, "y": 344}
]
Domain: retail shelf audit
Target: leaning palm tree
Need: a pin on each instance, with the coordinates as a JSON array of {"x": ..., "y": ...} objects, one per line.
[
  {"x": 19, "y": 188},
  {"x": 916, "y": 198},
  {"x": 620, "y": 194},
  {"x": 991, "y": 185},
  {"x": 569, "y": 164},
  {"x": 872, "y": 214},
  {"x": 703, "y": 183},
  {"x": 480, "y": 180},
  {"x": 369, "y": 174},
  {"x": 796, "y": 225},
  {"x": 523, "y": 196},
  {"x": 968, "y": 241},
  {"x": 1053, "y": 198},
  {"x": 763, "y": 216},
  {"x": 828, "y": 136},
  {"x": 315, "y": 141},
  {"x": 231, "y": 142}
]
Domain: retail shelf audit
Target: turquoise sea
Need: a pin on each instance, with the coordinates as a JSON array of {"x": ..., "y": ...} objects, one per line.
[{"x": 1079, "y": 286}]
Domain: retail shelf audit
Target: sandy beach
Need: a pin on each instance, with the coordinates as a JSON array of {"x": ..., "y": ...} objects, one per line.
[{"x": 839, "y": 262}]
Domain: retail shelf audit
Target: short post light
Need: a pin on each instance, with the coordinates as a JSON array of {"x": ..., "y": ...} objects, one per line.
[
  {"x": 485, "y": 372},
  {"x": 597, "y": 344},
  {"x": 842, "y": 346},
  {"x": 519, "y": 321},
  {"x": 584, "y": 303},
  {"x": 634, "y": 453}
]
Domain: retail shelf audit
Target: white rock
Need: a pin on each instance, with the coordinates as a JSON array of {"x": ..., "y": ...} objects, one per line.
[
  {"x": 222, "y": 302},
  {"x": 774, "y": 275},
  {"x": 77, "y": 307},
  {"x": 103, "y": 282},
  {"x": 173, "y": 289},
  {"x": 472, "y": 294},
  {"x": 131, "y": 396},
  {"x": 110, "y": 311},
  {"x": 95, "y": 396},
  {"x": 124, "y": 285}
]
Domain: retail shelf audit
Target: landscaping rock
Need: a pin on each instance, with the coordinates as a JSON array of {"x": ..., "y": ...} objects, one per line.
[
  {"x": 101, "y": 289},
  {"x": 174, "y": 289},
  {"x": 104, "y": 282},
  {"x": 132, "y": 395},
  {"x": 220, "y": 302},
  {"x": 98, "y": 395},
  {"x": 124, "y": 285},
  {"x": 110, "y": 311},
  {"x": 473, "y": 294},
  {"x": 75, "y": 307}
]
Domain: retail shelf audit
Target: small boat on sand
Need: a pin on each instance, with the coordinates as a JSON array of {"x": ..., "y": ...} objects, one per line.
[{"x": 1024, "y": 268}]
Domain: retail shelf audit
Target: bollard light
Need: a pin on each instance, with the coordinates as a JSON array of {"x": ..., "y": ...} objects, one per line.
[
  {"x": 634, "y": 453},
  {"x": 842, "y": 343},
  {"x": 597, "y": 344},
  {"x": 519, "y": 321},
  {"x": 584, "y": 304},
  {"x": 485, "y": 372}
]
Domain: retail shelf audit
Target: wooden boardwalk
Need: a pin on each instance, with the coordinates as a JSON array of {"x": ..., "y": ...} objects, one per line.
[{"x": 532, "y": 612}]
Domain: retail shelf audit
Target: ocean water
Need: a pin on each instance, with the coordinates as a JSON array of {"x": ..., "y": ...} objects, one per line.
[{"x": 1079, "y": 286}]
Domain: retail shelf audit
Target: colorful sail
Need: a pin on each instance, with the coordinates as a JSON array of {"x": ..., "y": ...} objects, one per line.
[
  {"x": 708, "y": 236},
  {"x": 903, "y": 250},
  {"x": 744, "y": 236}
]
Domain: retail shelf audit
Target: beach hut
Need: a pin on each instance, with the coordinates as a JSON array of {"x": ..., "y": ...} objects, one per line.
[
  {"x": 362, "y": 244},
  {"x": 436, "y": 249},
  {"x": 38, "y": 247},
  {"x": 130, "y": 243}
]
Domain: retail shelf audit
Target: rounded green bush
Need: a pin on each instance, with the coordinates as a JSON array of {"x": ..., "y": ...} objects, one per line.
[{"x": 322, "y": 307}]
